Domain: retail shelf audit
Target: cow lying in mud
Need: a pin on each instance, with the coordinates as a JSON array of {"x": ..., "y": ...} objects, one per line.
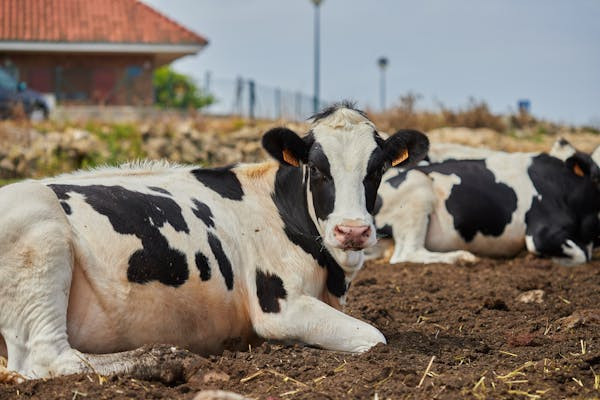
[
  {"x": 495, "y": 206},
  {"x": 95, "y": 263}
]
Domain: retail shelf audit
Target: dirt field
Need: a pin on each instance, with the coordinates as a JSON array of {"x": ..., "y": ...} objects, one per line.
[{"x": 454, "y": 332}]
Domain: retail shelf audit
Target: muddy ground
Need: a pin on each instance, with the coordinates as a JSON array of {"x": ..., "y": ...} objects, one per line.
[{"x": 454, "y": 332}]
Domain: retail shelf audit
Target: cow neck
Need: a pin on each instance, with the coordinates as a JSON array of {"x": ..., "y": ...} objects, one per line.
[{"x": 290, "y": 195}]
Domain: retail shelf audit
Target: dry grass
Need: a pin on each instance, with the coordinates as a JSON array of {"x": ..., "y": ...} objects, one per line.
[{"x": 475, "y": 115}]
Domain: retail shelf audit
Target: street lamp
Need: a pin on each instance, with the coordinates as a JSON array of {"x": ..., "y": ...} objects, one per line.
[
  {"x": 316, "y": 107},
  {"x": 383, "y": 63}
]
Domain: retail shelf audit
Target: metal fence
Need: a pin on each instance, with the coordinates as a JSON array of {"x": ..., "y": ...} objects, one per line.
[{"x": 246, "y": 98}]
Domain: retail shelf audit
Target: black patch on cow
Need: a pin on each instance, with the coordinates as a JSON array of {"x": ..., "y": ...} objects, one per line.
[
  {"x": 397, "y": 180},
  {"x": 322, "y": 186},
  {"x": 385, "y": 231},
  {"x": 371, "y": 181},
  {"x": 66, "y": 207},
  {"x": 269, "y": 289},
  {"x": 222, "y": 260},
  {"x": 159, "y": 190},
  {"x": 221, "y": 180},
  {"x": 378, "y": 205},
  {"x": 563, "y": 142},
  {"x": 333, "y": 108},
  {"x": 203, "y": 266},
  {"x": 478, "y": 203},
  {"x": 203, "y": 212},
  {"x": 139, "y": 214},
  {"x": 567, "y": 210},
  {"x": 289, "y": 196}
]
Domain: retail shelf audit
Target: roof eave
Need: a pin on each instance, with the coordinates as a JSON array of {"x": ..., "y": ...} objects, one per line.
[{"x": 101, "y": 47}]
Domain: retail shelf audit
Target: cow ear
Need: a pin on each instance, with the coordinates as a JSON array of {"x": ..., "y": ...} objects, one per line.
[
  {"x": 286, "y": 146},
  {"x": 405, "y": 148},
  {"x": 582, "y": 164}
]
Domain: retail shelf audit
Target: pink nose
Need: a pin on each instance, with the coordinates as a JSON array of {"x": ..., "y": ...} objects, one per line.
[{"x": 352, "y": 237}]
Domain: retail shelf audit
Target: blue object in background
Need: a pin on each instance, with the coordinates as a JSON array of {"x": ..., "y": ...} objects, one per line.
[{"x": 524, "y": 106}]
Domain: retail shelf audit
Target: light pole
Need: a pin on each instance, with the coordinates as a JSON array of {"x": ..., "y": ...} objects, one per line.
[
  {"x": 383, "y": 63},
  {"x": 316, "y": 101}
]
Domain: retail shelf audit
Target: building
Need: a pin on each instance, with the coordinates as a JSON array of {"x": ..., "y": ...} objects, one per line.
[{"x": 90, "y": 51}]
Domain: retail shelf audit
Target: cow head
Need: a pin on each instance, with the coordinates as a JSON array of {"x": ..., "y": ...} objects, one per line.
[
  {"x": 581, "y": 163},
  {"x": 343, "y": 158}
]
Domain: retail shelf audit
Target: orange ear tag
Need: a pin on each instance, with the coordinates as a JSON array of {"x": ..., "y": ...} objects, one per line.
[
  {"x": 401, "y": 157},
  {"x": 289, "y": 158},
  {"x": 578, "y": 171}
]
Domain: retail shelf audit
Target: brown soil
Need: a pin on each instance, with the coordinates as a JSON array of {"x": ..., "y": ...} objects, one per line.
[{"x": 486, "y": 343}]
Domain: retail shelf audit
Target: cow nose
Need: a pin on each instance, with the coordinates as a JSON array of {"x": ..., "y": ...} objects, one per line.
[{"x": 352, "y": 237}]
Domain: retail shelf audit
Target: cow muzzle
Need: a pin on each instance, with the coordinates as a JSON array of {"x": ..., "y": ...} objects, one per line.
[{"x": 353, "y": 237}]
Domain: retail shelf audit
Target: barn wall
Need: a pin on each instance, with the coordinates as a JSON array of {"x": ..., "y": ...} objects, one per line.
[{"x": 86, "y": 78}]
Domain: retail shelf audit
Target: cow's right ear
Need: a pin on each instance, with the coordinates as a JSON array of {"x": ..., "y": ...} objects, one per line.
[{"x": 286, "y": 146}]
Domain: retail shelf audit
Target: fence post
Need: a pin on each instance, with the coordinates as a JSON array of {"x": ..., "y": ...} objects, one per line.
[
  {"x": 207, "y": 76},
  {"x": 278, "y": 103},
  {"x": 239, "y": 90},
  {"x": 251, "y": 98},
  {"x": 298, "y": 106}
]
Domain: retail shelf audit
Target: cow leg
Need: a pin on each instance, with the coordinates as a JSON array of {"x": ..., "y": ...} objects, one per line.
[
  {"x": 409, "y": 222},
  {"x": 35, "y": 276},
  {"x": 311, "y": 321}
]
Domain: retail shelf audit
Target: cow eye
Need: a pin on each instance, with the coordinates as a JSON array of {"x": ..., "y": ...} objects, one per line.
[{"x": 318, "y": 174}]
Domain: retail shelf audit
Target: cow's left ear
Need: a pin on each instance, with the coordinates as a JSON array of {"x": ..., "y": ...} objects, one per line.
[
  {"x": 405, "y": 148},
  {"x": 286, "y": 146}
]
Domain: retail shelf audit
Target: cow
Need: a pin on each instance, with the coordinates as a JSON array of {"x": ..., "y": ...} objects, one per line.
[
  {"x": 495, "y": 206},
  {"x": 439, "y": 152},
  {"x": 95, "y": 264}
]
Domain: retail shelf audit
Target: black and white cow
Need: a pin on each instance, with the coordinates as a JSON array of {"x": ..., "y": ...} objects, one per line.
[
  {"x": 496, "y": 206},
  {"x": 109, "y": 260}
]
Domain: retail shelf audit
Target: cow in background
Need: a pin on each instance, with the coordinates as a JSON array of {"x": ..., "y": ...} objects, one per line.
[{"x": 494, "y": 206}]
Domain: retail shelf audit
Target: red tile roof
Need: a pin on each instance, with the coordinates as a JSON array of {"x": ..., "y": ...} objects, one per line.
[{"x": 105, "y": 21}]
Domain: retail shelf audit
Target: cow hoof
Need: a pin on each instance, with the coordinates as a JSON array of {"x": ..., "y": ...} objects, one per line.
[
  {"x": 10, "y": 377},
  {"x": 466, "y": 257},
  {"x": 377, "y": 338}
]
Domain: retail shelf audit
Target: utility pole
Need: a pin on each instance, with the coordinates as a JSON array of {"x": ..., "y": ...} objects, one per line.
[
  {"x": 383, "y": 63},
  {"x": 316, "y": 101}
]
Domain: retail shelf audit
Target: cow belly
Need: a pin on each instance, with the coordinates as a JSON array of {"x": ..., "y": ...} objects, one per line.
[
  {"x": 107, "y": 313},
  {"x": 191, "y": 316},
  {"x": 442, "y": 236}
]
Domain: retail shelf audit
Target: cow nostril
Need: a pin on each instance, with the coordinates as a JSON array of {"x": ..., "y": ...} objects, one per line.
[{"x": 367, "y": 232}]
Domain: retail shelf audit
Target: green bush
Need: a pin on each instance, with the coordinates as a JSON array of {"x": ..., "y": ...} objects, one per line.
[
  {"x": 123, "y": 142},
  {"x": 175, "y": 90}
]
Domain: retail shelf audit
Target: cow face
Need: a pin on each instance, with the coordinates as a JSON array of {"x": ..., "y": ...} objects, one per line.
[{"x": 343, "y": 159}]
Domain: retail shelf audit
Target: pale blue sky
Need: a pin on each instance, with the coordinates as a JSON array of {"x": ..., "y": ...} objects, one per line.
[{"x": 497, "y": 50}]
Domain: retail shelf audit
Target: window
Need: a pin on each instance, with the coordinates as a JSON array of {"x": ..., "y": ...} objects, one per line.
[{"x": 6, "y": 81}]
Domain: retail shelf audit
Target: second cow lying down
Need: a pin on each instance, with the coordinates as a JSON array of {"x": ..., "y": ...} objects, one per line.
[{"x": 494, "y": 206}]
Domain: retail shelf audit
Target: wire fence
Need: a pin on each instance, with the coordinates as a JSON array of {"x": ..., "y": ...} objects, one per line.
[{"x": 246, "y": 98}]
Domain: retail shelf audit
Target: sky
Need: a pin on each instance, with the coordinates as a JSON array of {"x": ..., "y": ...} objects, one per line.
[{"x": 499, "y": 51}]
